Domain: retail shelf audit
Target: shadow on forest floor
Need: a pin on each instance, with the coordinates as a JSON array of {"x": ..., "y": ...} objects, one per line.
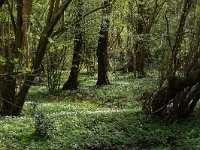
[{"x": 94, "y": 118}]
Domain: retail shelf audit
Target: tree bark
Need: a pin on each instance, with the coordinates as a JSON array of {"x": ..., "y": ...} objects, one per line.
[
  {"x": 9, "y": 52},
  {"x": 2, "y": 2},
  {"x": 179, "y": 97},
  {"x": 72, "y": 82},
  {"x": 20, "y": 98},
  {"x": 179, "y": 36},
  {"x": 102, "y": 49},
  {"x": 27, "y": 9},
  {"x": 143, "y": 25},
  {"x": 140, "y": 49},
  {"x": 177, "y": 100},
  {"x": 19, "y": 27},
  {"x": 41, "y": 49},
  {"x": 7, "y": 88}
]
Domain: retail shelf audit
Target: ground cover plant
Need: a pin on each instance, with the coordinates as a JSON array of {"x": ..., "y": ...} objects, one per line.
[
  {"x": 96, "y": 121},
  {"x": 99, "y": 74}
]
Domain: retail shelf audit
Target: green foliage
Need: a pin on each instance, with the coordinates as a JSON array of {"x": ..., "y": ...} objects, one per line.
[
  {"x": 43, "y": 125},
  {"x": 88, "y": 125},
  {"x": 108, "y": 117},
  {"x": 2, "y": 60}
]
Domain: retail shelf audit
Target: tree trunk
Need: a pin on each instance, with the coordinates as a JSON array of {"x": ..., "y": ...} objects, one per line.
[
  {"x": 7, "y": 88},
  {"x": 179, "y": 97},
  {"x": 26, "y": 21},
  {"x": 8, "y": 49},
  {"x": 176, "y": 85},
  {"x": 139, "y": 55},
  {"x": 179, "y": 36},
  {"x": 102, "y": 49},
  {"x": 143, "y": 25},
  {"x": 183, "y": 93},
  {"x": 140, "y": 49},
  {"x": 72, "y": 82},
  {"x": 41, "y": 49},
  {"x": 2, "y": 2}
]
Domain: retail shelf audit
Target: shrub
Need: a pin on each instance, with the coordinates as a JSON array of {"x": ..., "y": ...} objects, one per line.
[{"x": 43, "y": 125}]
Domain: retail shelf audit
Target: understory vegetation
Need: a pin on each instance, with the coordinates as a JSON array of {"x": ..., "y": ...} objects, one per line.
[
  {"x": 92, "y": 117},
  {"x": 99, "y": 74}
]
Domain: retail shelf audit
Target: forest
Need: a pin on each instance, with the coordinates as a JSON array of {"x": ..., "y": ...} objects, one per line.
[{"x": 99, "y": 74}]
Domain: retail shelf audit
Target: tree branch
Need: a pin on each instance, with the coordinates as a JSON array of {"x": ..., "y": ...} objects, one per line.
[
  {"x": 64, "y": 28},
  {"x": 12, "y": 18}
]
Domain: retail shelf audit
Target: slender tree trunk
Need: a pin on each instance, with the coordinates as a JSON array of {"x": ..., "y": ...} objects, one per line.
[
  {"x": 19, "y": 27},
  {"x": 136, "y": 63},
  {"x": 179, "y": 36},
  {"x": 143, "y": 23},
  {"x": 171, "y": 90},
  {"x": 26, "y": 21},
  {"x": 72, "y": 82},
  {"x": 140, "y": 49},
  {"x": 8, "y": 83},
  {"x": 41, "y": 49},
  {"x": 102, "y": 49}
]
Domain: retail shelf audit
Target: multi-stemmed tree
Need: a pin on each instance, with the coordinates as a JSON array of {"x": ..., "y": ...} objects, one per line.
[{"x": 11, "y": 101}]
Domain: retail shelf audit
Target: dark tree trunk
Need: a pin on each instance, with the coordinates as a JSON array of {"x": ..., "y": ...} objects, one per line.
[
  {"x": 2, "y": 2},
  {"x": 20, "y": 98},
  {"x": 183, "y": 93},
  {"x": 7, "y": 88},
  {"x": 12, "y": 103},
  {"x": 179, "y": 36},
  {"x": 9, "y": 83},
  {"x": 137, "y": 60},
  {"x": 144, "y": 23},
  {"x": 175, "y": 85},
  {"x": 140, "y": 49},
  {"x": 41, "y": 49},
  {"x": 102, "y": 49},
  {"x": 129, "y": 67},
  {"x": 179, "y": 97},
  {"x": 8, "y": 50},
  {"x": 72, "y": 82}
]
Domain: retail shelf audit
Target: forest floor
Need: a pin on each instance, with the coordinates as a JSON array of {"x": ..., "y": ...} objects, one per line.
[{"x": 108, "y": 117}]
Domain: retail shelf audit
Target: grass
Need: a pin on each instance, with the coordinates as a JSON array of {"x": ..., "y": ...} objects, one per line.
[{"x": 108, "y": 117}]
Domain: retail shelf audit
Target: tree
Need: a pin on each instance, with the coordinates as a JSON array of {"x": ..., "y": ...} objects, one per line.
[
  {"x": 140, "y": 27},
  {"x": 17, "y": 100},
  {"x": 13, "y": 99},
  {"x": 178, "y": 98},
  {"x": 10, "y": 52},
  {"x": 26, "y": 13},
  {"x": 140, "y": 47},
  {"x": 72, "y": 82},
  {"x": 102, "y": 49}
]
